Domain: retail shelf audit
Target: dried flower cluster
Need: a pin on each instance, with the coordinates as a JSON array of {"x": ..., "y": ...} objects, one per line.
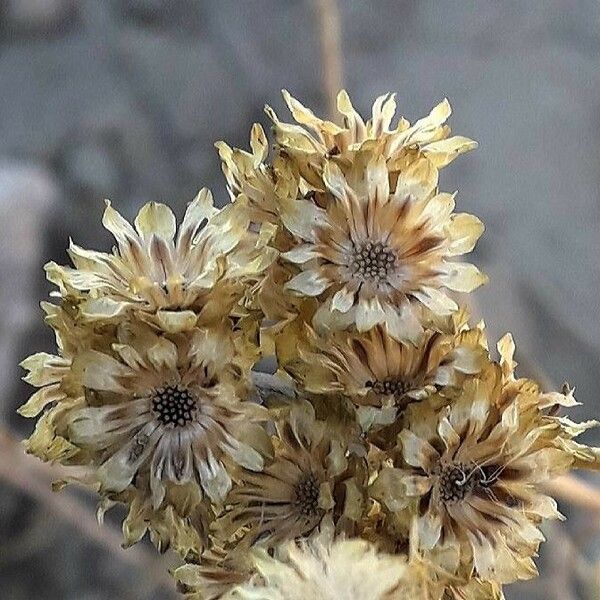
[{"x": 393, "y": 458}]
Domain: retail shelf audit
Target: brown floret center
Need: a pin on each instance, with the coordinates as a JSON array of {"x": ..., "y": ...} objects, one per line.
[
  {"x": 174, "y": 405},
  {"x": 373, "y": 261},
  {"x": 387, "y": 387},
  {"x": 456, "y": 482},
  {"x": 307, "y": 495}
]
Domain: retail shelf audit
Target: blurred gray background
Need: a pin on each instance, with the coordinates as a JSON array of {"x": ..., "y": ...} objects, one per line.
[{"x": 124, "y": 99}]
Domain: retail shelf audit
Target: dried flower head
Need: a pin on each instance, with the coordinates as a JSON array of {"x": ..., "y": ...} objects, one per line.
[
  {"x": 339, "y": 570},
  {"x": 299, "y": 487},
  {"x": 166, "y": 278},
  {"x": 471, "y": 474},
  {"x": 168, "y": 406},
  {"x": 312, "y": 138},
  {"x": 379, "y": 255},
  {"x": 374, "y": 369}
]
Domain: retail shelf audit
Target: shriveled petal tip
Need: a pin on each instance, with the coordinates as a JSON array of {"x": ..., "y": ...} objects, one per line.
[
  {"x": 437, "y": 302},
  {"x": 309, "y": 283},
  {"x": 506, "y": 348},
  {"x": 117, "y": 225},
  {"x": 258, "y": 143},
  {"x": 384, "y": 109},
  {"x": 344, "y": 104},
  {"x": 200, "y": 208},
  {"x": 158, "y": 219},
  {"x": 463, "y": 231},
  {"x": 440, "y": 113},
  {"x": 343, "y": 300},
  {"x": 300, "y": 254},
  {"x": 418, "y": 452},
  {"x": 443, "y": 152},
  {"x": 38, "y": 401},
  {"x": 463, "y": 277}
]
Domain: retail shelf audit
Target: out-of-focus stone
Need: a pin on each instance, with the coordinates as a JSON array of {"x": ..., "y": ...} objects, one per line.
[
  {"x": 90, "y": 166},
  {"x": 37, "y": 16}
]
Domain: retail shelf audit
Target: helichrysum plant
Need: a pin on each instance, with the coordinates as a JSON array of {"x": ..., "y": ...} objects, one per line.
[{"x": 392, "y": 457}]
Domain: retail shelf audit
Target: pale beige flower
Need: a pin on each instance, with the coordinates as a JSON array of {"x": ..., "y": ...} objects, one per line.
[
  {"x": 166, "y": 408},
  {"x": 379, "y": 255},
  {"x": 297, "y": 489},
  {"x": 472, "y": 472},
  {"x": 166, "y": 277},
  {"x": 374, "y": 369},
  {"x": 312, "y": 139},
  {"x": 339, "y": 570}
]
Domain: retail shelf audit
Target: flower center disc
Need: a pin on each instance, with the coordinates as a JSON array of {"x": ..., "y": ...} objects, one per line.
[
  {"x": 174, "y": 405},
  {"x": 373, "y": 261},
  {"x": 307, "y": 495},
  {"x": 396, "y": 387},
  {"x": 455, "y": 482}
]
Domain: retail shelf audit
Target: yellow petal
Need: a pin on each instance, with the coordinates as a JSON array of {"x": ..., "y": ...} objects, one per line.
[
  {"x": 156, "y": 219},
  {"x": 463, "y": 277},
  {"x": 443, "y": 152},
  {"x": 38, "y": 401},
  {"x": 463, "y": 231}
]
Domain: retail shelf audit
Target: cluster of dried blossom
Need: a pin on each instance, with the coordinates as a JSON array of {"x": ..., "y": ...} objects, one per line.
[{"x": 403, "y": 460}]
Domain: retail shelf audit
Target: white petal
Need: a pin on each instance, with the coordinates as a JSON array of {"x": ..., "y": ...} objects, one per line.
[
  {"x": 309, "y": 283},
  {"x": 402, "y": 323},
  {"x": 300, "y": 254},
  {"x": 429, "y": 530},
  {"x": 156, "y": 219},
  {"x": 343, "y": 300},
  {"x": 118, "y": 471},
  {"x": 198, "y": 211},
  {"x": 369, "y": 313},
  {"x": 443, "y": 152},
  {"x": 436, "y": 301},
  {"x": 216, "y": 481},
  {"x": 118, "y": 226},
  {"x": 102, "y": 372},
  {"x": 463, "y": 231}
]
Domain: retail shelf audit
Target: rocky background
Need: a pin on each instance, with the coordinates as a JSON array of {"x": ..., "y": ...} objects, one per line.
[{"x": 124, "y": 99}]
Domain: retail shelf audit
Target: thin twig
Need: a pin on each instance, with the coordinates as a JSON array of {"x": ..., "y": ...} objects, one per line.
[
  {"x": 33, "y": 478},
  {"x": 576, "y": 492},
  {"x": 330, "y": 33}
]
